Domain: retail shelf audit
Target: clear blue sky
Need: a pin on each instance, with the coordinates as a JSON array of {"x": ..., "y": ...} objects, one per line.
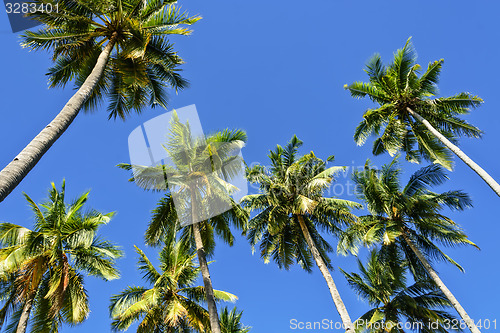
[{"x": 274, "y": 69}]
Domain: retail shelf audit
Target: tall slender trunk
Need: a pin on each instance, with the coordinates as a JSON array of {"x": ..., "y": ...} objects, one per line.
[
  {"x": 207, "y": 281},
  {"x": 339, "y": 304},
  {"x": 25, "y": 315},
  {"x": 435, "y": 277},
  {"x": 22, "y": 164},
  {"x": 467, "y": 160},
  {"x": 205, "y": 273}
]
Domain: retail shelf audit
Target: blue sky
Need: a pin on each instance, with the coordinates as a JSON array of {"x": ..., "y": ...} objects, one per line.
[{"x": 274, "y": 69}]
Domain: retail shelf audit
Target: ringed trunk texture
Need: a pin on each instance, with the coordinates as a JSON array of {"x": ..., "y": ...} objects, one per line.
[
  {"x": 23, "y": 320},
  {"x": 22, "y": 164},
  {"x": 339, "y": 304},
  {"x": 467, "y": 160},
  {"x": 435, "y": 277},
  {"x": 205, "y": 273}
]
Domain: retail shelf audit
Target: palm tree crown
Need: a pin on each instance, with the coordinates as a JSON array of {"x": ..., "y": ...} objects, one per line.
[
  {"x": 141, "y": 68},
  {"x": 413, "y": 211},
  {"x": 292, "y": 210},
  {"x": 397, "y": 307},
  {"x": 46, "y": 266},
  {"x": 398, "y": 89},
  {"x": 204, "y": 166},
  {"x": 410, "y": 219},
  {"x": 172, "y": 302},
  {"x": 294, "y": 186}
]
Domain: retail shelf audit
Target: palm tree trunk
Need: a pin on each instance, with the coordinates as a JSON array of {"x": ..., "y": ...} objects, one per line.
[
  {"x": 25, "y": 315},
  {"x": 205, "y": 273},
  {"x": 467, "y": 160},
  {"x": 207, "y": 281},
  {"x": 435, "y": 277},
  {"x": 344, "y": 315},
  {"x": 22, "y": 164}
]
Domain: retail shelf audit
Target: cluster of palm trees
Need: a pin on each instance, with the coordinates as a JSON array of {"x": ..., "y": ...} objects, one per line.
[{"x": 118, "y": 51}]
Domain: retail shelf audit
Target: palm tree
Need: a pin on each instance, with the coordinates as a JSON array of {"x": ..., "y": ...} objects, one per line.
[
  {"x": 46, "y": 266},
  {"x": 383, "y": 284},
  {"x": 230, "y": 321},
  {"x": 171, "y": 303},
  {"x": 8, "y": 296},
  {"x": 410, "y": 117},
  {"x": 291, "y": 208},
  {"x": 410, "y": 218},
  {"x": 197, "y": 176},
  {"x": 115, "y": 49}
]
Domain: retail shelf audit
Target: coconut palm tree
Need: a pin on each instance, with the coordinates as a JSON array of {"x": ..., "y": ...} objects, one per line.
[
  {"x": 46, "y": 266},
  {"x": 198, "y": 178},
  {"x": 396, "y": 306},
  {"x": 171, "y": 302},
  {"x": 116, "y": 50},
  {"x": 410, "y": 117},
  {"x": 411, "y": 218},
  {"x": 292, "y": 209},
  {"x": 230, "y": 321}
]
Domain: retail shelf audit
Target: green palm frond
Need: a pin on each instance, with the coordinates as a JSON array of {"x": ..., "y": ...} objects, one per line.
[
  {"x": 149, "y": 272},
  {"x": 230, "y": 321},
  {"x": 423, "y": 178}
]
